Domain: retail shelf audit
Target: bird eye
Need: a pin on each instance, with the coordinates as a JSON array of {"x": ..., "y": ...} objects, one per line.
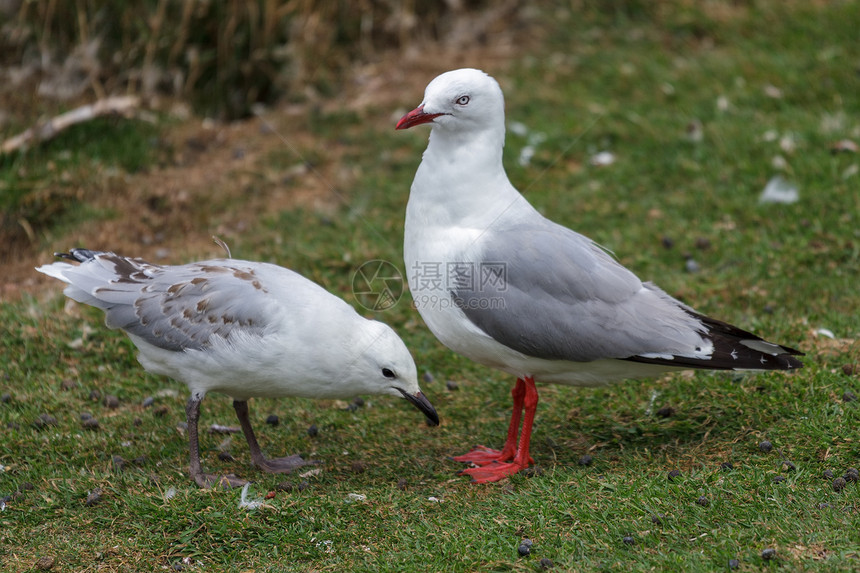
[
  {"x": 388, "y": 373},
  {"x": 463, "y": 100}
]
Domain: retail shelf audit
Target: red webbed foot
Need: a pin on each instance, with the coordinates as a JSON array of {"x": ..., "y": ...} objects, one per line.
[{"x": 493, "y": 471}]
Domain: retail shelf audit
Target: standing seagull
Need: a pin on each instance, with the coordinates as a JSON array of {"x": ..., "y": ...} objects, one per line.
[
  {"x": 499, "y": 283},
  {"x": 245, "y": 329}
]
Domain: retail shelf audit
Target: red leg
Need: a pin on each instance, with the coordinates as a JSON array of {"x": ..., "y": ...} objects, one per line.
[
  {"x": 499, "y": 470},
  {"x": 482, "y": 455}
]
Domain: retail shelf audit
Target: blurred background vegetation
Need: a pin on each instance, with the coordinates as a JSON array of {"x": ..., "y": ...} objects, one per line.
[
  {"x": 222, "y": 56},
  {"x": 217, "y": 59}
]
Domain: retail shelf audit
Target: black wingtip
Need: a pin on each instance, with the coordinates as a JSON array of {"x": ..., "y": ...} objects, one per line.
[
  {"x": 734, "y": 349},
  {"x": 78, "y": 255},
  {"x": 722, "y": 360}
]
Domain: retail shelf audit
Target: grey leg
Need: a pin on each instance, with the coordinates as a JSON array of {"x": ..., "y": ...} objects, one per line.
[
  {"x": 275, "y": 465},
  {"x": 192, "y": 416}
]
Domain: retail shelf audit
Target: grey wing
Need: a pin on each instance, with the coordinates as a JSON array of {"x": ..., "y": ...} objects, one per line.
[
  {"x": 173, "y": 307},
  {"x": 562, "y": 297}
]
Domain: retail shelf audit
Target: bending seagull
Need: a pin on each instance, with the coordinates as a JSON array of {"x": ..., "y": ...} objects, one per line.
[
  {"x": 499, "y": 283},
  {"x": 245, "y": 329}
]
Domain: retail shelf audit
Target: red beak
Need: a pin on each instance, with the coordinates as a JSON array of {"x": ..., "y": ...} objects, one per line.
[{"x": 416, "y": 117}]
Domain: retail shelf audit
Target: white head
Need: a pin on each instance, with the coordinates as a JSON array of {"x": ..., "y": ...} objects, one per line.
[
  {"x": 465, "y": 100},
  {"x": 383, "y": 365}
]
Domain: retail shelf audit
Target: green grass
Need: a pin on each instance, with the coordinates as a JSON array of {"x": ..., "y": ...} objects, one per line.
[{"x": 782, "y": 270}]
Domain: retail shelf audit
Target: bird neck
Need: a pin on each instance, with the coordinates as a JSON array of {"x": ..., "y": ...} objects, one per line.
[
  {"x": 461, "y": 182},
  {"x": 465, "y": 161}
]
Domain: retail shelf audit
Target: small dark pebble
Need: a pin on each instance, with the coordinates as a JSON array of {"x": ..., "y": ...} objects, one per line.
[
  {"x": 691, "y": 266},
  {"x": 628, "y": 540},
  {"x": 546, "y": 563},
  {"x": 358, "y": 467},
  {"x": 788, "y": 466},
  {"x": 778, "y": 479},
  {"x": 585, "y": 460},
  {"x": 427, "y": 377},
  {"x": 118, "y": 463},
  {"x": 148, "y": 401},
  {"x": 358, "y": 401},
  {"x": 26, "y": 486},
  {"x": 703, "y": 501},
  {"x": 313, "y": 431},
  {"x": 68, "y": 384},
  {"x": 734, "y": 563},
  {"x": 666, "y": 412},
  {"x": 136, "y": 422},
  {"x": 285, "y": 486},
  {"x": 849, "y": 396},
  {"x": 525, "y": 547},
  {"x": 178, "y": 567},
  {"x": 95, "y": 395},
  {"x": 273, "y": 420},
  {"x": 94, "y": 497},
  {"x": 658, "y": 518},
  {"x": 13, "y": 425},
  {"x": 727, "y": 466},
  {"x": 160, "y": 412},
  {"x": 111, "y": 402},
  {"x": 85, "y": 416},
  {"x": 768, "y": 309},
  {"x": 667, "y": 242},
  {"x": 673, "y": 474},
  {"x": 45, "y": 420},
  {"x": 351, "y": 407},
  {"x": 140, "y": 460},
  {"x": 45, "y": 563},
  {"x": 768, "y": 554},
  {"x": 402, "y": 484},
  {"x": 765, "y": 446},
  {"x": 90, "y": 424},
  {"x": 225, "y": 457},
  {"x": 839, "y": 484},
  {"x": 451, "y": 385},
  {"x": 304, "y": 485},
  {"x": 6, "y": 397},
  {"x": 823, "y": 506},
  {"x": 828, "y": 474},
  {"x": 851, "y": 474},
  {"x": 850, "y": 369},
  {"x": 703, "y": 243}
]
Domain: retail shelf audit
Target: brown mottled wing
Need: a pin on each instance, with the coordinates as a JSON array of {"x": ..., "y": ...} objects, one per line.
[{"x": 174, "y": 307}]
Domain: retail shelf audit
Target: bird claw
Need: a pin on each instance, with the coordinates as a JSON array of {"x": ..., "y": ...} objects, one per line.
[
  {"x": 285, "y": 465},
  {"x": 493, "y": 472},
  {"x": 482, "y": 455},
  {"x": 212, "y": 481}
]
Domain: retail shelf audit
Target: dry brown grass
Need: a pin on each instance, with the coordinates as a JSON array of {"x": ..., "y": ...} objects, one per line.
[{"x": 217, "y": 177}]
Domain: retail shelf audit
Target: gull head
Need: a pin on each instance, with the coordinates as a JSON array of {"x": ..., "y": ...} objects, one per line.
[
  {"x": 459, "y": 100},
  {"x": 384, "y": 366}
]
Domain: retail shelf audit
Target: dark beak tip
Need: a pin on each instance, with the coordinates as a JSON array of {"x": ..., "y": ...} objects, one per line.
[{"x": 421, "y": 402}]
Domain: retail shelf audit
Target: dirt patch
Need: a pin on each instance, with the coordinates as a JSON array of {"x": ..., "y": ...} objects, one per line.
[{"x": 220, "y": 179}]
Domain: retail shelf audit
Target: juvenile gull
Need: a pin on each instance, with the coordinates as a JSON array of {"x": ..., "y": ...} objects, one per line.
[
  {"x": 499, "y": 283},
  {"x": 245, "y": 329}
]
